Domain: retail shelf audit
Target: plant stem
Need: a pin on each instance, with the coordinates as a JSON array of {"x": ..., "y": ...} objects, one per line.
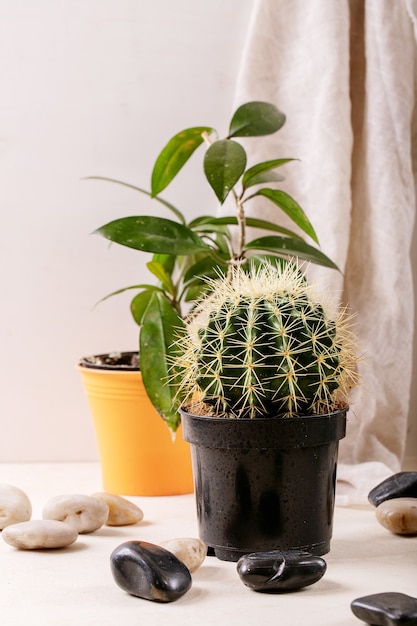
[
  {"x": 240, "y": 215},
  {"x": 236, "y": 257}
]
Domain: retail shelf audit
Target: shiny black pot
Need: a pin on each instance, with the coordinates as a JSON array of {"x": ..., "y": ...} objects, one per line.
[{"x": 264, "y": 484}]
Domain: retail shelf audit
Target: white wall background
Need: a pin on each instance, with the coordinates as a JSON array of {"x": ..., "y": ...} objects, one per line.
[{"x": 91, "y": 87}]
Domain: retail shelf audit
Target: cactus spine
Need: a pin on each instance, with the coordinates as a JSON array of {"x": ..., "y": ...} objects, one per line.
[{"x": 263, "y": 345}]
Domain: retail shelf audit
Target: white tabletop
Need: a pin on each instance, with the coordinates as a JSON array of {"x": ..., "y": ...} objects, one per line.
[{"x": 75, "y": 586}]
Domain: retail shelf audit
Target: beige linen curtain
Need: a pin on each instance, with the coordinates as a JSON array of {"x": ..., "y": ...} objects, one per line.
[{"x": 344, "y": 73}]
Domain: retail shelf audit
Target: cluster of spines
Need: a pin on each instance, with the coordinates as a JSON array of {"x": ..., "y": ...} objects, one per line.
[{"x": 264, "y": 346}]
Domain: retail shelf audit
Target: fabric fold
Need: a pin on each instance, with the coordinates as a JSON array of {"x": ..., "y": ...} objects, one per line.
[{"x": 344, "y": 73}]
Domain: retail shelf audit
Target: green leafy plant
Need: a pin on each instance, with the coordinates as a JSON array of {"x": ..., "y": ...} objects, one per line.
[
  {"x": 264, "y": 345},
  {"x": 205, "y": 246}
]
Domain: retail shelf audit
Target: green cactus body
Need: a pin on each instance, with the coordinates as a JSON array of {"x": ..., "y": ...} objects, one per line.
[{"x": 264, "y": 346}]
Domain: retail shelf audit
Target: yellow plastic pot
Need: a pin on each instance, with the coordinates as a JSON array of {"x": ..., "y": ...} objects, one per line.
[{"x": 137, "y": 452}]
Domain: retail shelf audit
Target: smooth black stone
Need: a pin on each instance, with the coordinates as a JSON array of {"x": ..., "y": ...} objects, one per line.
[
  {"x": 148, "y": 571},
  {"x": 400, "y": 485},
  {"x": 386, "y": 609},
  {"x": 280, "y": 571}
]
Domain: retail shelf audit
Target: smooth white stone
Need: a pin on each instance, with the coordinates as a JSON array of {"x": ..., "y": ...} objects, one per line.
[
  {"x": 399, "y": 515},
  {"x": 85, "y": 513},
  {"x": 38, "y": 534},
  {"x": 15, "y": 506},
  {"x": 122, "y": 512},
  {"x": 189, "y": 551}
]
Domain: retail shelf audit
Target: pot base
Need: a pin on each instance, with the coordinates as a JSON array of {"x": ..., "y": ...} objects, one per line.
[{"x": 231, "y": 554}]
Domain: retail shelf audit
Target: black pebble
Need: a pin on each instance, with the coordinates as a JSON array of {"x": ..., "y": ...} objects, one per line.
[
  {"x": 386, "y": 609},
  {"x": 401, "y": 485},
  {"x": 280, "y": 571},
  {"x": 148, "y": 571}
]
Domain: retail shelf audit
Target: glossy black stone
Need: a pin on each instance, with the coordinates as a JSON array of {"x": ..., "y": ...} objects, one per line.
[
  {"x": 280, "y": 571},
  {"x": 149, "y": 571},
  {"x": 386, "y": 609},
  {"x": 400, "y": 485}
]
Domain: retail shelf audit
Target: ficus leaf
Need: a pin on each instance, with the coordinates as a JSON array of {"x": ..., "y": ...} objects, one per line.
[
  {"x": 285, "y": 202},
  {"x": 167, "y": 261},
  {"x": 195, "y": 290},
  {"x": 212, "y": 228},
  {"x": 195, "y": 279},
  {"x": 158, "y": 270},
  {"x": 165, "y": 203},
  {"x": 153, "y": 234},
  {"x": 174, "y": 155},
  {"x": 254, "y": 119},
  {"x": 123, "y": 289},
  {"x": 292, "y": 248},
  {"x": 202, "y": 219},
  {"x": 205, "y": 267},
  {"x": 139, "y": 305},
  {"x": 259, "y": 173},
  {"x": 253, "y": 222},
  {"x": 223, "y": 246},
  {"x": 224, "y": 164},
  {"x": 160, "y": 325},
  {"x": 265, "y": 178}
]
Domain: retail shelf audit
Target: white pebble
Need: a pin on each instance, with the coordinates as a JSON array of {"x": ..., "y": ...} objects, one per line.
[
  {"x": 189, "y": 551},
  {"x": 399, "y": 515},
  {"x": 15, "y": 506},
  {"x": 85, "y": 513},
  {"x": 122, "y": 512},
  {"x": 38, "y": 534}
]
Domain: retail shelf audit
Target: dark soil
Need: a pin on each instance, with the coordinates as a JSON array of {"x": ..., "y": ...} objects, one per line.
[{"x": 112, "y": 360}]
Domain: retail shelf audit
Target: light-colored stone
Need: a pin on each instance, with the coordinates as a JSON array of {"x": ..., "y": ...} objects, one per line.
[
  {"x": 189, "y": 551},
  {"x": 398, "y": 515},
  {"x": 39, "y": 534},
  {"x": 122, "y": 512},
  {"x": 85, "y": 513},
  {"x": 15, "y": 506}
]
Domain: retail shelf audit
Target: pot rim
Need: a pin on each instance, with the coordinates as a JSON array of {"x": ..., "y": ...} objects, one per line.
[
  {"x": 299, "y": 418},
  {"x": 263, "y": 433}
]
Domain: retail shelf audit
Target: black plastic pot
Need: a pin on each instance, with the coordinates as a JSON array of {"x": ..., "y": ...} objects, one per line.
[{"x": 264, "y": 484}]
